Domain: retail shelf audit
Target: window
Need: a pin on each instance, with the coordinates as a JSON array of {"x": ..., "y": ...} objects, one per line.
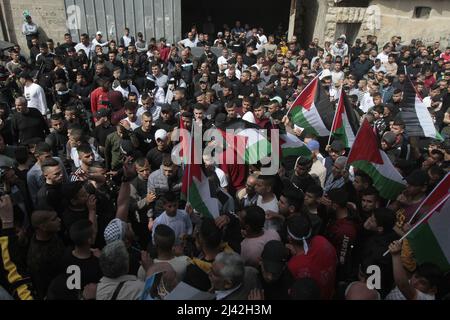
[{"x": 422, "y": 12}]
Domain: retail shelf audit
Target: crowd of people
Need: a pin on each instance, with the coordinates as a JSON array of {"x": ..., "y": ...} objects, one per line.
[{"x": 88, "y": 179}]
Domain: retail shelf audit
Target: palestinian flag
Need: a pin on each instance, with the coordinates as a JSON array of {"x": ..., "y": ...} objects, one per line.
[
  {"x": 365, "y": 155},
  {"x": 345, "y": 124},
  {"x": 438, "y": 193},
  {"x": 312, "y": 110},
  {"x": 417, "y": 118},
  {"x": 291, "y": 145},
  {"x": 195, "y": 187},
  {"x": 251, "y": 145},
  {"x": 430, "y": 239}
]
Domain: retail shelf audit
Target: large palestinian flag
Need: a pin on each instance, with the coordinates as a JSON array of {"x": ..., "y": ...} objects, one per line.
[
  {"x": 435, "y": 196},
  {"x": 345, "y": 123},
  {"x": 312, "y": 110},
  {"x": 366, "y": 155},
  {"x": 430, "y": 239},
  {"x": 195, "y": 187},
  {"x": 251, "y": 145},
  {"x": 291, "y": 145},
  {"x": 417, "y": 118}
]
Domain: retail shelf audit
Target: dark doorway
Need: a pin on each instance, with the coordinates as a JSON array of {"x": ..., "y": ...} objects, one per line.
[
  {"x": 350, "y": 30},
  {"x": 265, "y": 14}
]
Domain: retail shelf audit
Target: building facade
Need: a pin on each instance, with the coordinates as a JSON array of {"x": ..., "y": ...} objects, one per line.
[{"x": 426, "y": 20}]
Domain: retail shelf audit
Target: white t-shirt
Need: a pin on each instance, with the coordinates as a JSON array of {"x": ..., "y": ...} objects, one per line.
[
  {"x": 188, "y": 43},
  {"x": 383, "y": 57},
  {"x": 87, "y": 50},
  {"x": 222, "y": 177},
  {"x": 366, "y": 102},
  {"x": 396, "y": 294},
  {"x": 125, "y": 92},
  {"x": 35, "y": 96},
  {"x": 126, "y": 40},
  {"x": 76, "y": 160},
  {"x": 272, "y": 205},
  {"x": 222, "y": 62},
  {"x": 154, "y": 110},
  {"x": 263, "y": 40},
  {"x": 133, "y": 125}
]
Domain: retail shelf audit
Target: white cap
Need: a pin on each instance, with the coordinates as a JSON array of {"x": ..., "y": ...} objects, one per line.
[
  {"x": 99, "y": 33},
  {"x": 325, "y": 73},
  {"x": 161, "y": 134}
]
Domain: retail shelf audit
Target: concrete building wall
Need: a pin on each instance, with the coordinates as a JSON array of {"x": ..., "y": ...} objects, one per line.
[
  {"x": 385, "y": 18},
  {"x": 397, "y": 19},
  {"x": 49, "y": 15}
]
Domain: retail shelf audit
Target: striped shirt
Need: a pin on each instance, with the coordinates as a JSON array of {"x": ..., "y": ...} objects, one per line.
[{"x": 78, "y": 175}]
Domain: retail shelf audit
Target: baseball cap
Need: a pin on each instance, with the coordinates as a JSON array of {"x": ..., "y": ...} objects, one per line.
[
  {"x": 390, "y": 138},
  {"x": 6, "y": 162},
  {"x": 337, "y": 146},
  {"x": 277, "y": 99},
  {"x": 115, "y": 230},
  {"x": 274, "y": 257},
  {"x": 161, "y": 134},
  {"x": 99, "y": 33},
  {"x": 203, "y": 79},
  {"x": 417, "y": 178},
  {"x": 313, "y": 145}
]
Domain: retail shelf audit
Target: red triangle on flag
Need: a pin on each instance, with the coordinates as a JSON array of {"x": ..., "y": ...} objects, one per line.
[
  {"x": 307, "y": 97},
  {"x": 365, "y": 146}
]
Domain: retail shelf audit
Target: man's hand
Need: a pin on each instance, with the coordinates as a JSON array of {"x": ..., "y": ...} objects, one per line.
[
  {"x": 6, "y": 212},
  {"x": 128, "y": 168},
  {"x": 92, "y": 203},
  {"x": 189, "y": 210},
  {"x": 222, "y": 221},
  {"x": 395, "y": 248},
  {"x": 150, "y": 197},
  {"x": 151, "y": 222},
  {"x": 146, "y": 261},
  {"x": 96, "y": 252},
  {"x": 256, "y": 294},
  {"x": 125, "y": 124},
  {"x": 90, "y": 291}
]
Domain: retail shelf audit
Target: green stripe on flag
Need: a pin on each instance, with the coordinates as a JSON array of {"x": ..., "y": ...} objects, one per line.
[
  {"x": 300, "y": 120},
  {"x": 341, "y": 135},
  {"x": 426, "y": 248},
  {"x": 257, "y": 151},
  {"x": 302, "y": 151},
  {"x": 388, "y": 189},
  {"x": 195, "y": 199}
]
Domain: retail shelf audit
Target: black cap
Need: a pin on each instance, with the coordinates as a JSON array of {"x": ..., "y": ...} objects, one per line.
[
  {"x": 417, "y": 178},
  {"x": 274, "y": 257}
]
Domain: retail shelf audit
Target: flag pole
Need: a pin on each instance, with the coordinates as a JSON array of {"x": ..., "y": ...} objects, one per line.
[
  {"x": 426, "y": 199},
  {"x": 335, "y": 115},
  {"x": 423, "y": 219},
  {"x": 304, "y": 89},
  {"x": 189, "y": 161}
]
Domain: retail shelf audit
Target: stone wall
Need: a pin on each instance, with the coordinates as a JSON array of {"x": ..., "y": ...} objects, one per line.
[
  {"x": 49, "y": 15},
  {"x": 385, "y": 18}
]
